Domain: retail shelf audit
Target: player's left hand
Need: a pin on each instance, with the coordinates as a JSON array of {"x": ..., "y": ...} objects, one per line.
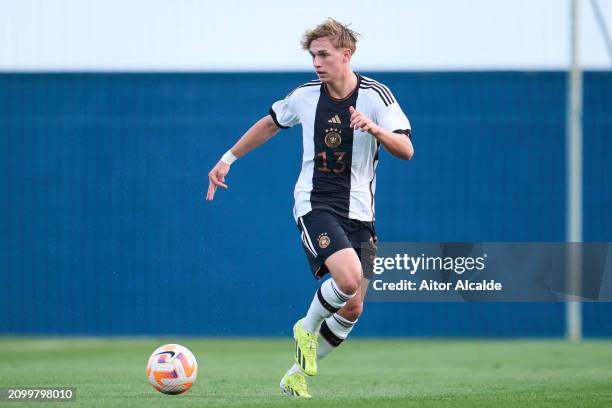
[{"x": 359, "y": 121}]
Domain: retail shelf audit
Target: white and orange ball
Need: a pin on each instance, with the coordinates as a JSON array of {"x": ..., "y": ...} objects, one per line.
[{"x": 172, "y": 369}]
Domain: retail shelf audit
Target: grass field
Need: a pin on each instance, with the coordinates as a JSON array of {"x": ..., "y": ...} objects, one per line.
[{"x": 362, "y": 373}]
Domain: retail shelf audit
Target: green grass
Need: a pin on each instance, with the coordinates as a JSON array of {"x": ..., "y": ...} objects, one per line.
[{"x": 361, "y": 373}]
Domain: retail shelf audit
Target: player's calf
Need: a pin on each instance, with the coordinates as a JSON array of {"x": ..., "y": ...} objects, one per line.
[
  {"x": 327, "y": 301},
  {"x": 353, "y": 309},
  {"x": 336, "y": 328}
]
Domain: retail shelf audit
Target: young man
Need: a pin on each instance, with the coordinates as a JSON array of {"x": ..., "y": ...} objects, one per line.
[{"x": 345, "y": 118}]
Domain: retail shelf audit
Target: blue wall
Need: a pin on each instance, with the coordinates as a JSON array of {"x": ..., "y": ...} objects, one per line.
[{"x": 104, "y": 228}]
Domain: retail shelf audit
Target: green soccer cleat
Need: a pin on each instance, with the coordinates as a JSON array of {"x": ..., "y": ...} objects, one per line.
[
  {"x": 305, "y": 349},
  {"x": 294, "y": 385}
]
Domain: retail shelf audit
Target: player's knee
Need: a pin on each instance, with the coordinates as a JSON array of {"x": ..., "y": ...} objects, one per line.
[
  {"x": 349, "y": 282},
  {"x": 345, "y": 268}
]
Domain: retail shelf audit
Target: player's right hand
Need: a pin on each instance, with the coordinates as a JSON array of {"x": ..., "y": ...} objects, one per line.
[{"x": 216, "y": 178}]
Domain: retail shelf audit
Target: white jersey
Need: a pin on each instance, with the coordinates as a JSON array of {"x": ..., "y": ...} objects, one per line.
[{"x": 339, "y": 164}]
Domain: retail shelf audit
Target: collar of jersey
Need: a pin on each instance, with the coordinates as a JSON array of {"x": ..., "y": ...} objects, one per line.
[{"x": 349, "y": 95}]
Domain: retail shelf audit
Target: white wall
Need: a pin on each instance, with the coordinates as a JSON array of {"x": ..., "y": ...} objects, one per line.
[{"x": 179, "y": 35}]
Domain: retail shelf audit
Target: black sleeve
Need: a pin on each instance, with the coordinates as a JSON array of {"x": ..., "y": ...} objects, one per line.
[
  {"x": 273, "y": 114},
  {"x": 406, "y": 132}
]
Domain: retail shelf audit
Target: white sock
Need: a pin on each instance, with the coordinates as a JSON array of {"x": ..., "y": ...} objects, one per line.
[
  {"x": 294, "y": 369},
  {"x": 327, "y": 301},
  {"x": 334, "y": 330}
]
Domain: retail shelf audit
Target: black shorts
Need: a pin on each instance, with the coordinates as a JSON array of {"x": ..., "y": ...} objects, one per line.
[{"x": 324, "y": 233}]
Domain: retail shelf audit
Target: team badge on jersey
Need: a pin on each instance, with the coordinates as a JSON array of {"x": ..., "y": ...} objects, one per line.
[
  {"x": 332, "y": 137},
  {"x": 323, "y": 240}
]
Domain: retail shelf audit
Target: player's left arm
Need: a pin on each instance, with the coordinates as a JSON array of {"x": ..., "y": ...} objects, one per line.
[{"x": 398, "y": 144}]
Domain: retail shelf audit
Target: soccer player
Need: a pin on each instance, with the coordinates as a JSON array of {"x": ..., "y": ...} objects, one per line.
[{"x": 345, "y": 117}]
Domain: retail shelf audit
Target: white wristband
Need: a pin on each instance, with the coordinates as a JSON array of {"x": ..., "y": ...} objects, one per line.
[{"x": 228, "y": 158}]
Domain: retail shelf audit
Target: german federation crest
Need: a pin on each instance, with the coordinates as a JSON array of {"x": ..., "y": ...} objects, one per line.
[
  {"x": 332, "y": 137},
  {"x": 323, "y": 240}
]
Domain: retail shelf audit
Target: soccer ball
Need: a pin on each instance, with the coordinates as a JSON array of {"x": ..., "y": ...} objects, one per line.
[{"x": 172, "y": 369}]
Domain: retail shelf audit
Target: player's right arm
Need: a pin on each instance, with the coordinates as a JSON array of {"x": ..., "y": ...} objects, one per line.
[
  {"x": 282, "y": 116},
  {"x": 257, "y": 135}
]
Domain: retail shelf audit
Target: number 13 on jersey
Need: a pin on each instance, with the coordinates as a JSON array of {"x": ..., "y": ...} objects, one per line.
[{"x": 340, "y": 164}]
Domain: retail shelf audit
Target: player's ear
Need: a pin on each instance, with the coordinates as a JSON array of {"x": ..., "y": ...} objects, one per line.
[{"x": 347, "y": 54}]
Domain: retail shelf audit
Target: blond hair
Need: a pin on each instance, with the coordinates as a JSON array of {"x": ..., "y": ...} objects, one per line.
[{"x": 339, "y": 34}]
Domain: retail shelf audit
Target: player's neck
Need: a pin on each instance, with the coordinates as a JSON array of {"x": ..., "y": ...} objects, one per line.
[{"x": 343, "y": 87}]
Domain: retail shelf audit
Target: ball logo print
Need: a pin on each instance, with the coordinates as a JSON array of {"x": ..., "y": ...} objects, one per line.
[{"x": 172, "y": 369}]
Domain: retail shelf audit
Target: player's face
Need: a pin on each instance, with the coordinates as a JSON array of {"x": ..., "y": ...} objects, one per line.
[{"x": 328, "y": 61}]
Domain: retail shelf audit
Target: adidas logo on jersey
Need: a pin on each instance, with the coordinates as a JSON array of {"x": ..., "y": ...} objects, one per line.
[{"x": 335, "y": 119}]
